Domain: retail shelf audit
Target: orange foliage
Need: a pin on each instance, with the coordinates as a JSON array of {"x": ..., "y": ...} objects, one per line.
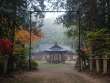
[
  {"x": 24, "y": 36},
  {"x": 86, "y": 50}
]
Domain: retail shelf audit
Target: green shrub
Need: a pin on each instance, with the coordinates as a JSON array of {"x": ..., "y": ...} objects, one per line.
[
  {"x": 34, "y": 65},
  {"x": 99, "y": 41}
]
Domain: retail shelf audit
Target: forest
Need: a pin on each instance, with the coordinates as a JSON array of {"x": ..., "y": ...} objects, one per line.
[{"x": 87, "y": 22}]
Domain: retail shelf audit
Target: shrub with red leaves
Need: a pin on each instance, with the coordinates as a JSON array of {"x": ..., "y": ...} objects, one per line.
[{"x": 5, "y": 46}]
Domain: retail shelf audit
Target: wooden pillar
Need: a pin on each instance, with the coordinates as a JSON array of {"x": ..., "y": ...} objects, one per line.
[
  {"x": 97, "y": 64},
  {"x": 53, "y": 60},
  {"x": 81, "y": 64},
  {"x": 90, "y": 62},
  {"x": 55, "y": 57},
  {"x": 58, "y": 58},
  {"x": 105, "y": 65},
  {"x": 49, "y": 58},
  {"x": 61, "y": 58}
]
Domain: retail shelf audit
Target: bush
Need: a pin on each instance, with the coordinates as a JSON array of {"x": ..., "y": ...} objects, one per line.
[
  {"x": 99, "y": 41},
  {"x": 20, "y": 57},
  {"x": 19, "y": 61},
  {"x": 34, "y": 65},
  {"x": 24, "y": 65}
]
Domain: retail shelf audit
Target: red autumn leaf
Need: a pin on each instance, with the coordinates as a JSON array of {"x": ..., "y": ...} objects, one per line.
[{"x": 5, "y": 46}]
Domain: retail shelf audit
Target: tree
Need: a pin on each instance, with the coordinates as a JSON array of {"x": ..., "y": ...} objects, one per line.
[
  {"x": 9, "y": 21},
  {"x": 94, "y": 16},
  {"x": 12, "y": 15},
  {"x": 23, "y": 36},
  {"x": 5, "y": 49}
]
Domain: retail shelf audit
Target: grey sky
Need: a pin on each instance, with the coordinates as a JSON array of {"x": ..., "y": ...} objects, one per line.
[{"x": 52, "y": 32}]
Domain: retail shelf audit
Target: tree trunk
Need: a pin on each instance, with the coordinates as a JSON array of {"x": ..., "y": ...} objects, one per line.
[{"x": 6, "y": 64}]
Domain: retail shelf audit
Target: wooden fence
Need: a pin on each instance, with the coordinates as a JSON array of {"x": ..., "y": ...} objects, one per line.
[
  {"x": 99, "y": 64},
  {"x": 95, "y": 64}
]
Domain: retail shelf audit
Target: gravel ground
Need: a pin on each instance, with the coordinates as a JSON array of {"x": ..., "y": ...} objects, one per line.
[{"x": 60, "y": 74}]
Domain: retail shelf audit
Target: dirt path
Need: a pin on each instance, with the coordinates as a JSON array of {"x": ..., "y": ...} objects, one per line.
[{"x": 64, "y": 74}]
